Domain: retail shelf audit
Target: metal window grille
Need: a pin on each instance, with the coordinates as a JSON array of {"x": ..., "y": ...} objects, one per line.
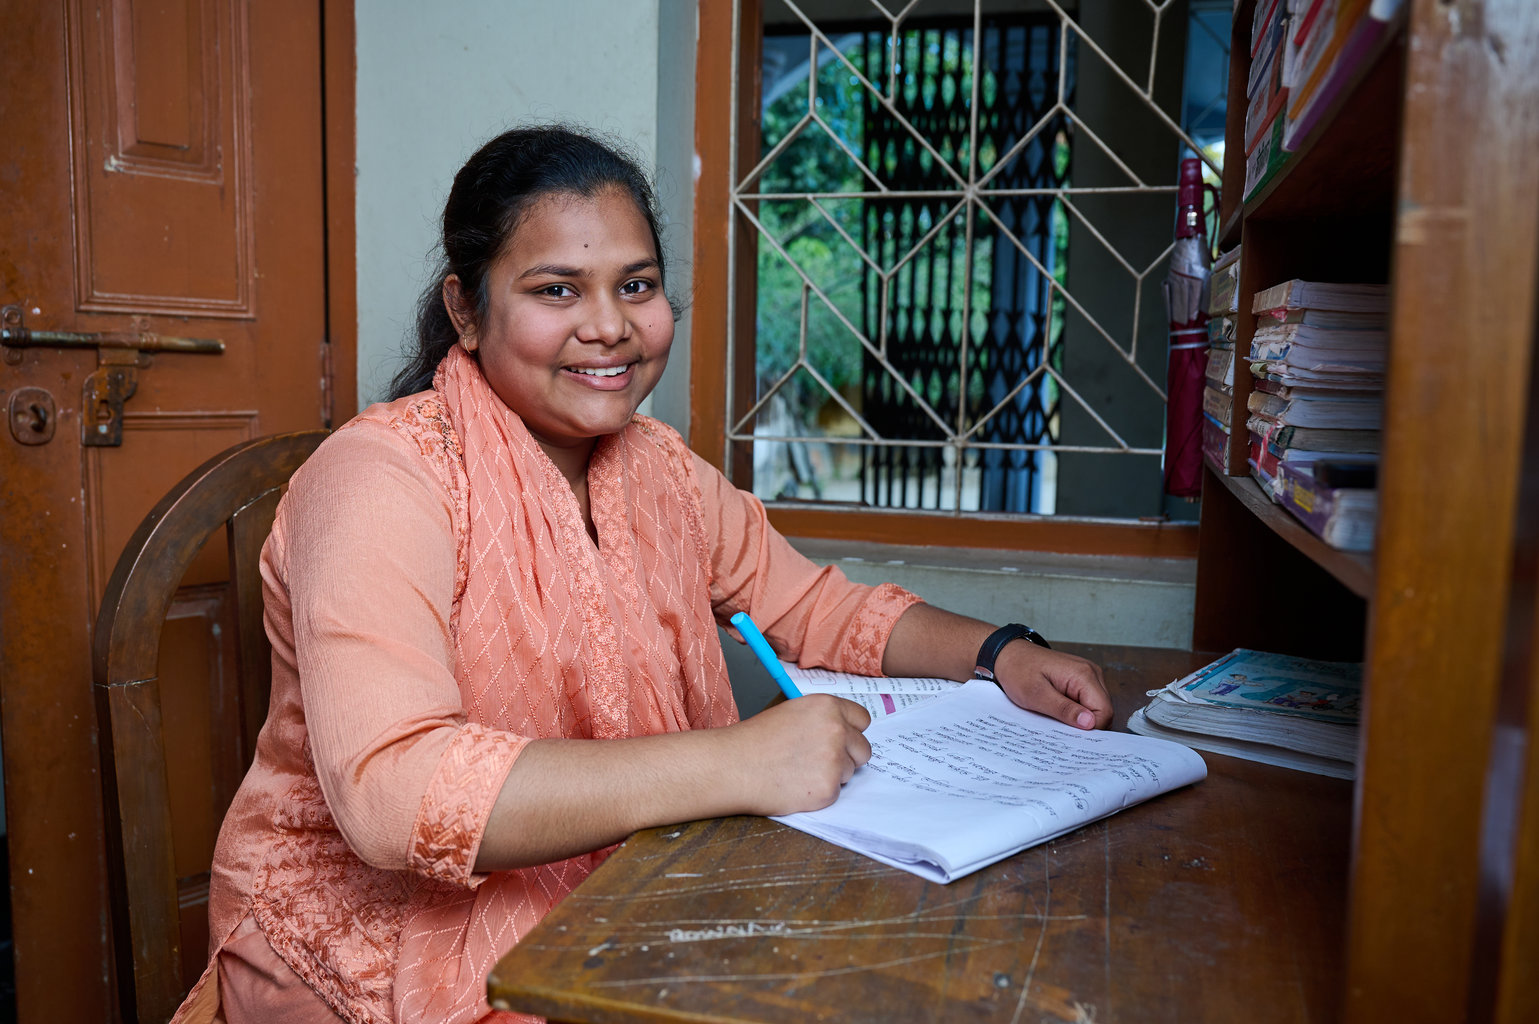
[
  {"x": 929, "y": 339},
  {"x": 956, "y": 200}
]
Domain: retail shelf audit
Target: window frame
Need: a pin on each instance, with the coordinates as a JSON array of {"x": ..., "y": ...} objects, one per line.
[{"x": 717, "y": 321}]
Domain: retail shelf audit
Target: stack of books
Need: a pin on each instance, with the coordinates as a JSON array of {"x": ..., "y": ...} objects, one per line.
[
  {"x": 1218, "y": 392},
  {"x": 1337, "y": 501},
  {"x": 1266, "y": 97},
  {"x": 1317, "y": 357},
  {"x": 1295, "y": 712},
  {"x": 1328, "y": 45}
]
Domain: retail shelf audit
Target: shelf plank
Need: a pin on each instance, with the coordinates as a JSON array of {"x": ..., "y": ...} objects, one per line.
[{"x": 1352, "y": 569}]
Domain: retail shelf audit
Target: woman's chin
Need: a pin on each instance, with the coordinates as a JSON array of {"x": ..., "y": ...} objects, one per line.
[{"x": 583, "y": 431}]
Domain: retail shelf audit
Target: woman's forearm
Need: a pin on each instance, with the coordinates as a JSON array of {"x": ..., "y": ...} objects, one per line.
[
  {"x": 565, "y": 797},
  {"x": 929, "y": 641}
]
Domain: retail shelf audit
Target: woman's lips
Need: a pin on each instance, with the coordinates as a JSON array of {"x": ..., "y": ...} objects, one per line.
[{"x": 603, "y": 378}]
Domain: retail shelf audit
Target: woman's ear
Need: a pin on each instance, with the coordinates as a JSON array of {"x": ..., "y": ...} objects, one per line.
[{"x": 459, "y": 312}]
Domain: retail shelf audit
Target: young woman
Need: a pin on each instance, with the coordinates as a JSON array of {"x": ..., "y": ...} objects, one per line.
[{"x": 493, "y": 604}]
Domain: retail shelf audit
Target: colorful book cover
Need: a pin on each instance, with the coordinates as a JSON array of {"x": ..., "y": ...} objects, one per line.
[
  {"x": 1304, "y": 43},
  {"x": 1263, "y": 463},
  {"x": 1324, "y": 691},
  {"x": 1215, "y": 443},
  {"x": 1317, "y": 38},
  {"x": 1263, "y": 162},
  {"x": 1328, "y": 82},
  {"x": 1267, "y": 14},
  {"x": 1343, "y": 517},
  {"x": 1265, "y": 93}
]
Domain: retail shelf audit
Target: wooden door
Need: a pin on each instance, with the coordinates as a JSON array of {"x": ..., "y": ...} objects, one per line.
[{"x": 164, "y": 171}]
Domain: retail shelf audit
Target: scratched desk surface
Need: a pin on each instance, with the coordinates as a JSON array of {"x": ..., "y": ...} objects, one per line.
[{"x": 1220, "y": 902}]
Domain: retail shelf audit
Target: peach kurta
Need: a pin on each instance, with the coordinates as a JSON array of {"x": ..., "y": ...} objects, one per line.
[{"x": 435, "y": 602}]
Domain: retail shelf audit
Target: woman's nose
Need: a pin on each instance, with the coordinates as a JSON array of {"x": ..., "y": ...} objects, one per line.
[{"x": 605, "y": 322}]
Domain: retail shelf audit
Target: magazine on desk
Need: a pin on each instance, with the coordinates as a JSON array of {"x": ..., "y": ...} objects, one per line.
[
  {"x": 969, "y": 778},
  {"x": 1293, "y": 712}
]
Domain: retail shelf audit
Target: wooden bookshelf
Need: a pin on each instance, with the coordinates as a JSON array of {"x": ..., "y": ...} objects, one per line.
[
  {"x": 1421, "y": 177},
  {"x": 1326, "y": 214}
]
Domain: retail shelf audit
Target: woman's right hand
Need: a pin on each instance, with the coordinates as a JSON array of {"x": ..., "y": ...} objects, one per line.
[{"x": 794, "y": 756}]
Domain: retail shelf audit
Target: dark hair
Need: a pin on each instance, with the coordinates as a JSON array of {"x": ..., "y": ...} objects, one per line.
[{"x": 488, "y": 199}]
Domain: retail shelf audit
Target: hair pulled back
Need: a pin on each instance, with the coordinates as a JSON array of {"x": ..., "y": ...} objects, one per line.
[{"x": 489, "y": 198}]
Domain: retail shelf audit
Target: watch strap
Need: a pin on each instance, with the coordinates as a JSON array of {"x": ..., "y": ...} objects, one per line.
[{"x": 989, "y": 652}]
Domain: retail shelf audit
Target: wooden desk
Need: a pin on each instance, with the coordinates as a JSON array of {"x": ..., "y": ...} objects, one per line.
[{"x": 1221, "y": 902}]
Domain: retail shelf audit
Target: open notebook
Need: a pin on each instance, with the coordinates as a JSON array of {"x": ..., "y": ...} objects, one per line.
[{"x": 968, "y": 778}]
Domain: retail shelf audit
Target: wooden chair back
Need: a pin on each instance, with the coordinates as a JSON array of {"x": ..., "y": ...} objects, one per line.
[{"x": 237, "y": 489}]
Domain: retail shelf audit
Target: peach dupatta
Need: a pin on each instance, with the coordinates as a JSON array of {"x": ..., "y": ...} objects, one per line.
[{"x": 557, "y": 637}]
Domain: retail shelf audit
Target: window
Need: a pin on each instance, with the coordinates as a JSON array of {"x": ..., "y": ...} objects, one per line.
[{"x": 945, "y": 229}]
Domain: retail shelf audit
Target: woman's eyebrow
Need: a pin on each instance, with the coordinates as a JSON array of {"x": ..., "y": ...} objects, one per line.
[
  {"x": 551, "y": 270},
  {"x": 556, "y": 270}
]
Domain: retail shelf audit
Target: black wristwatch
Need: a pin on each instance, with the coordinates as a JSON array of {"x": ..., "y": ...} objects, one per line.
[{"x": 989, "y": 652}]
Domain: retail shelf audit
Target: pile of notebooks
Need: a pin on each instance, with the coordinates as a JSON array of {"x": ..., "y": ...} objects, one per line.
[
  {"x": 1294, "y": 712},
  {"x": 1218, "y": 390},
  {"x": 1317, "y": 356}
]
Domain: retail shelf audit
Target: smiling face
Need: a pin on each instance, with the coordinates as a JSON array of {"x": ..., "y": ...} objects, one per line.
[{"x": 577, "y": 329}]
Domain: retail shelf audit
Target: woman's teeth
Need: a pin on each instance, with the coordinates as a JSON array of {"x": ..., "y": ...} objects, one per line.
[{"x": 613, "y": 371}]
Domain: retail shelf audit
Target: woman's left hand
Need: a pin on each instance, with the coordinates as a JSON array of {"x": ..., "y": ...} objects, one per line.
[
  {"x": 929, "y": 641},
  {"x": 1053, "y": 683}
]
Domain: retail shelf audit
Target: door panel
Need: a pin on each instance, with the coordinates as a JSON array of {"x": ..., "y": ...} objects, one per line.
[
  {"x": 163, "y": 157},
  {"x": 164, "y": 171}
]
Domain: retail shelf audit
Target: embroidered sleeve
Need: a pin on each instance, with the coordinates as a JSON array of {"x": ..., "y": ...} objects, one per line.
[
  {"x": 866, "y": 638},
  {"x": 458, "y": 802}
]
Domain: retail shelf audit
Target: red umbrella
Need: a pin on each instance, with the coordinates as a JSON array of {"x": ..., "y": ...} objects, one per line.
[{"x": 1186, "y": 291}]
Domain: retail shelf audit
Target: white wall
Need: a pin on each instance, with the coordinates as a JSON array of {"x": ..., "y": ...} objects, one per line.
[{"x": 437, "y": 80}]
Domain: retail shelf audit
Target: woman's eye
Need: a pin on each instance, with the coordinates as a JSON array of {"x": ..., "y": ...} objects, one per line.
[
  {"x": 636, "y": 287},
  {"x": 557, "y": 291}
]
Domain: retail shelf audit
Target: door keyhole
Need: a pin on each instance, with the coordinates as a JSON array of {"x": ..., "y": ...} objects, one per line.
[{"x": 33, "y": 416}]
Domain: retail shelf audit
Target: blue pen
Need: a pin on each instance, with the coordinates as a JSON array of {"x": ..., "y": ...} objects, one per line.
[{"x": 761, "y": 647}]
